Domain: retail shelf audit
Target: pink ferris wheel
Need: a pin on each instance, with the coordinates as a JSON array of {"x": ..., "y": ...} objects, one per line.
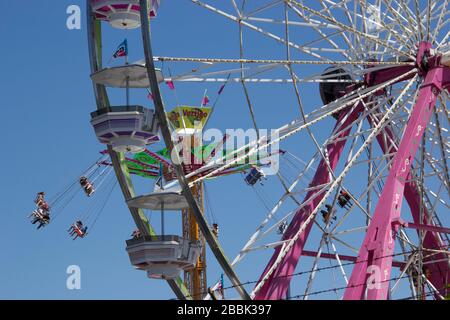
[{"x": 359, "y": 204}]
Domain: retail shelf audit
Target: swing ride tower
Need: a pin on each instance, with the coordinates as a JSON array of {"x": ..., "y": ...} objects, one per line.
[
  {"x": 379, "y": 136},
  {"x": 195, "y": 279}
]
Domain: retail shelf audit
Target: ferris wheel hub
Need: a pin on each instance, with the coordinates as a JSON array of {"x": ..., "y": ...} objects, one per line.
[{"x": 445, "y": 59}]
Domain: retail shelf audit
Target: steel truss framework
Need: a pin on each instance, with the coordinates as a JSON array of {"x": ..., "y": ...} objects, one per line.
[{"x": 399, "y": 88}]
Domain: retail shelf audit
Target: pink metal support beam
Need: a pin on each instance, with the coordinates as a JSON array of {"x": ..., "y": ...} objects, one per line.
[
  {"x": 419, "y": 226},
  {"x": 308, "y": 253},
  {"x": 373, "y": 268},
  {"x": 276, "y": 286},
  {"x": 440, "y": 272}
]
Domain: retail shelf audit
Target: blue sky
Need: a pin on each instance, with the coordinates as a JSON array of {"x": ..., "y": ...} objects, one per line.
[{"x": 47, "y": 96}]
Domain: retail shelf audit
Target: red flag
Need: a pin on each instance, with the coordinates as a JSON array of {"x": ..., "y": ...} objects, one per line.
[
  {"x": 205, "y": 101},
  {"x": 170, "y": 84},
  {"x": 150, "y": 96}
]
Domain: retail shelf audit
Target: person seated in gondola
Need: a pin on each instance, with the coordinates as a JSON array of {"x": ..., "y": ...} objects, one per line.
[
  {"x": 136, "y": 234},
  {"x": 40, "y": 199},
  {"x": 282, "y": 228},
  {"x": 87, "y": 186},
  {"x": 326, "y": 214},
  {"x": 254, "y": 176},
  {"x": 215, "y": 229},
  {"x": 344, "y": 200},
  {"x": 415, "y": 275}
]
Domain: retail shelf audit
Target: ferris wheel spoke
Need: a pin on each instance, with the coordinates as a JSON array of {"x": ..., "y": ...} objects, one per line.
[
  {"x": 258, "y": 29},
  {"x": 285, "y": 62},
  {"x": 314, "y": 267},
  {"x": 272, "y": 212},
  {"x": 428, "y": 20},
  {"x": 441, "y": 144},
  {"x": 444, "y": 40},
  {"x": 235, "y": 6},
  {"x": 357, "y": 41},
  {"x": 351, "y": 29},
  {"x": 403, "y": 272},
  {"x": 263, "y": 8},
  {"x": 399, "y": 36},
  {"x": 398, "y": 18},
  {"x": 410, "y": 15},
  {"x": 338, "y": 259},
  {"x": 316, "y": 27},
  {"x": 256, "y": 70},
  {"x": 326, "y": 233},
  {"x": 371, "y": 187},
  {"x": 436, "y": 197},
  {"x": 419, "y": 20},
  {"x": 247, "y": 80},
  {"x": 350, "y": 46},
  {"x": 344, "y": 243},
  {"x": 247, "y": 96},
  {"x": 383, "y": 27}
]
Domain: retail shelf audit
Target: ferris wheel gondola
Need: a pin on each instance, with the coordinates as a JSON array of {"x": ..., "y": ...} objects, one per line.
[{"x": 122, "y": 14}]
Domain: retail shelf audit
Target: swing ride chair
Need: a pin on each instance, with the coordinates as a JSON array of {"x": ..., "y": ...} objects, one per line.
[
  {"x": 363, "y": 86},
  {"x": 37, "y": 214},
  {"x": 255, "y": 175},
  {"x": 163, "y": 257},
  {"x": 78, "y": 231},
  {"x": 126, "y": 128},
  {"x": 122, "y": 14}
]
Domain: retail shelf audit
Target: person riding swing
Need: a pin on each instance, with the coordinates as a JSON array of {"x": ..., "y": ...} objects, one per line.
[
  {"x": 77, "y": 230},
  {"x": 87, "y": 186},
  {"x": 41, "y": 216},
  {"x": 40, "y": 199}
]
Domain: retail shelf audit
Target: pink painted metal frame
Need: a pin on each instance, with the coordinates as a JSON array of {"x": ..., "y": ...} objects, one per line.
[
  {"x": 378, "y": 245},
  {"x": 440, "y": 274},
  {"x": 372, "y": 271}
]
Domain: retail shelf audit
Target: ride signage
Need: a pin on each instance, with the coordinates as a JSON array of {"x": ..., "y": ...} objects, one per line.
[{"x": 188, "y": 120}]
